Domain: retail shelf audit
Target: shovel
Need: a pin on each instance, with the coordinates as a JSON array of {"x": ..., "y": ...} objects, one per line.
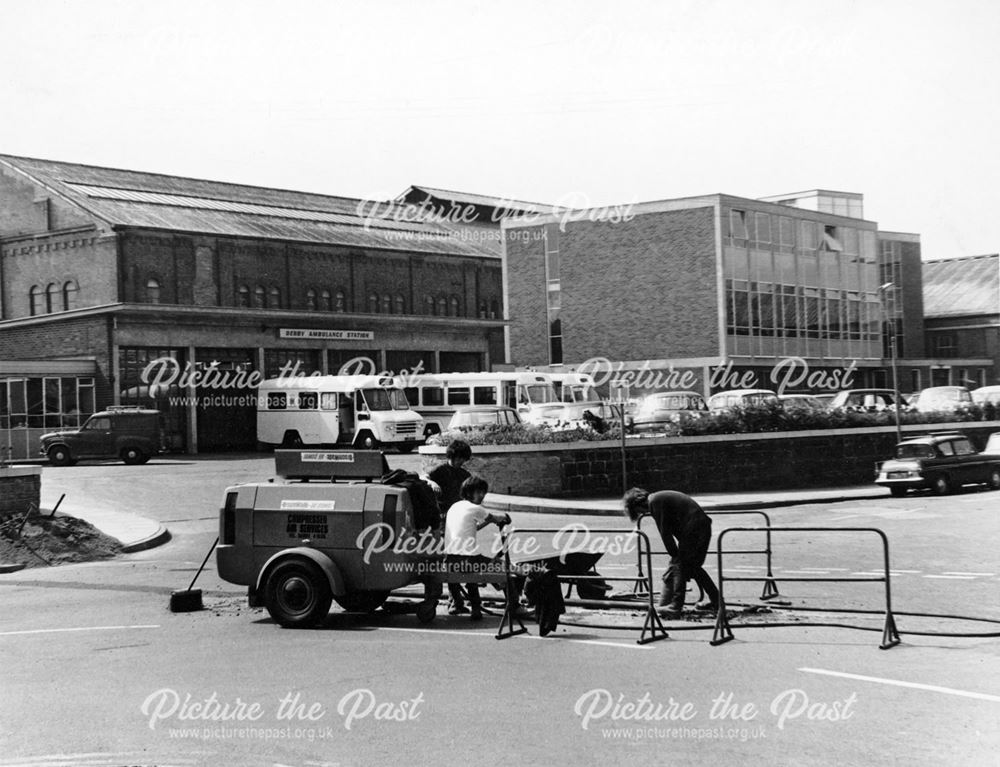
[{"x": 189, "y": 600}]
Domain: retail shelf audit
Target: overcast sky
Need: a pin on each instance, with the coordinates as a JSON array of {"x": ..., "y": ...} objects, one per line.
[{"x": 580, "y": 103}]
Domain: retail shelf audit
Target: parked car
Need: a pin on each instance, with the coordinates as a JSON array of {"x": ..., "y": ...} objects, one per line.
[
  {"x": 662, "y": 408},
  {"x": 867, "y": 400},
  {"x": 826, "y": 398},
  {"x": 985, "y": 394},
  {"x": 941, "y": 461},
  {"x": 483, "y": 415},
  {"x": 992, "y": 445},
  {"x": 741, "y": 398},
  {"x": 801, "y": 402},
  {"x": 941, "y": 398},
  {"x": 131, "y": 433}
]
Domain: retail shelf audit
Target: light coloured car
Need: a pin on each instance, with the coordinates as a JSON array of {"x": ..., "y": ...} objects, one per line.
[
  {"x": 985, "y": 394},
  {"x": 741, "y": 398},
  {"x": 992, "y": 445},
  {"x": 662, "y": 408},
  {"x": 941, "y": 398},
  {"x": 483, "y": 415}
]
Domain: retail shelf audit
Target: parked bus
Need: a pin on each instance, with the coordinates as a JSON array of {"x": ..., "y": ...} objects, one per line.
[
  {"x": 361, "y": 411},
  {"x": 436, "y": 396}
]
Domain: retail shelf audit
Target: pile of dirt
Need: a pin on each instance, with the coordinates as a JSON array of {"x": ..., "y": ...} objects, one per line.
[{"x": 45, "y": 541}]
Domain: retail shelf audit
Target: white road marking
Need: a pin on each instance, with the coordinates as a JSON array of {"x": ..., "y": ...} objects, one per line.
[
  {"x": 802, "y": 572},
  {"x": 589, "y": 641},
  {"x": 911, "y": 572},
  {"x": 897, "y": 683},
  {"x": 529, "y": 636},
  {"x": 80, "y": 628},
  {"x": 975, "y": 575},
  {"x": 953, "y": 577}
]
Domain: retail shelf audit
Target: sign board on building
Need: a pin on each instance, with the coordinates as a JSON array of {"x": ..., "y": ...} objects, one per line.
[{"x": 316, "y": 334}]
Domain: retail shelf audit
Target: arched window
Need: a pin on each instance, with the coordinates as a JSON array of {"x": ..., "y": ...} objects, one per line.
[
  {"x": 243, "y": 296},
  {"x": 453, "y": 306},
  {"x": 52, "y": 297},
  {"x": 373, "y": 303},
  {"x": 340, "y": 301},
  {"x": 326, "y": 301},
  {"x": 442, "y": 306},
  {"x": 274, "y": 301},
  {"x": 386, "y": 304},
  {"x": 152, "y": 291},
  {"x": 259, "y": 297},
  {"x": 494, "y": 309},
  {"x": 399, "y": 305},
  {"x": 35, "y": 300},
  {"x": 70, "y": 289},
  {"x": 311, "y": 300},
  {"x": 428, "y": 304},
  {"x": 483, "y": 312}
]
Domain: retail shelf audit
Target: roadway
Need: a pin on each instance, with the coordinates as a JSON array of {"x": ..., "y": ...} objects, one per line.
[{"x": 98, "y": 671}]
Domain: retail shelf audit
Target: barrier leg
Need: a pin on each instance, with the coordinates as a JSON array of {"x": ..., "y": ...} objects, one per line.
[
  {"x": 723, "y": 633},
  {"x": 506, "y": 628},
  {"x": 653, "y": 626},
  {"x": 890, "y": 636},
  {"x": 770, "y": 589}
]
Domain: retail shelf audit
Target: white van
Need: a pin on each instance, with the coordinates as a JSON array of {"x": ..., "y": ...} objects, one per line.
[
  {"x": 436, "y": 396},
  {"x": 361, "y": 411},
  {"x": 576, "y": 393}
]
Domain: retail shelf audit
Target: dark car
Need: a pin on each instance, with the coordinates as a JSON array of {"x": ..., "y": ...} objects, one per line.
[
  {"x": 132, "y": 434},
  {"x": 864, "y": 400},
  {"x": 942, "y": 462}
]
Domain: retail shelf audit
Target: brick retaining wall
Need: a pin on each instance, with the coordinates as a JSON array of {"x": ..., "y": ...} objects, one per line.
[
  {"x": 723, "y": 463},
  {"x": 19, "y": 487}
]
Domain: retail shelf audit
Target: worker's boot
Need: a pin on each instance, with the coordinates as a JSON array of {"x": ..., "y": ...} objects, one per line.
[{"x": 672, "y": 596}]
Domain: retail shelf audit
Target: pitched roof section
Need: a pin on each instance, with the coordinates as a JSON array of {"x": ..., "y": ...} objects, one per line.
[
  {"x": 962, "y": 286},
  {"x": 151, "y": 200},
  {"x": 505, "y": 206}
]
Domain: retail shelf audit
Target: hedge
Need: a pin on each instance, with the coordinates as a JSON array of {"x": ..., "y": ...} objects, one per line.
[{"x": 770, "y": 417}]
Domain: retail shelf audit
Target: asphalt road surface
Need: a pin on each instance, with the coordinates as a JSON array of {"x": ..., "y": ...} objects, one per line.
[{"x": 96, "y": 670}]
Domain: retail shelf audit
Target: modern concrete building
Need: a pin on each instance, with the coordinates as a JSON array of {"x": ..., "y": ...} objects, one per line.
[
  {"x": 109, "y": 270},
  {"x": 729, "y": 291}
]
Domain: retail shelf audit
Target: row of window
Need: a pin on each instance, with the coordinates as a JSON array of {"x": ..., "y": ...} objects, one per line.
[
  {"x": 326, "y": 300},
  {"x": 54, "y": 297},
  {"x": 765, "y": 309},
  {"x": 45, "y": 402},
  {"x": 784, "y": 234}
]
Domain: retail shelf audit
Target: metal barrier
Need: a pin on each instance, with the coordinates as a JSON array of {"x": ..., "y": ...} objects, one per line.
[
  {"x": 652, "y": 625},
  {"x": 723, "y": 632},
  {"x": 770, "y": 590}
]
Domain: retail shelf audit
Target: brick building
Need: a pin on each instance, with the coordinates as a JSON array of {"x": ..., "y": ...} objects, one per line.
[
  {"x": 727, "y": 292},
  {"x": 962, "y": 321},
  {"x": 112, "y": 269}
]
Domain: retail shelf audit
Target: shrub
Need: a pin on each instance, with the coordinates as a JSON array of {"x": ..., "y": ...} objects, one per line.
[{"x": 521, "y": 434}]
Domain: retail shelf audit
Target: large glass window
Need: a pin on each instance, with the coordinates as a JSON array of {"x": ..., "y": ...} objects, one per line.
[
  {"x": 738, "y": 227},
  {"x": 786, "y": 234},
  {"x": 763, "y": 229},
  {"x": 810, "y": 235}
]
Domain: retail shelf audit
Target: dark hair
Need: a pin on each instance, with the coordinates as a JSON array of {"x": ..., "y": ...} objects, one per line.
[
  {"x": 458, "y": 449},
  {"x": 472, "y": 485},
  {"x": 636, "y": 502}
]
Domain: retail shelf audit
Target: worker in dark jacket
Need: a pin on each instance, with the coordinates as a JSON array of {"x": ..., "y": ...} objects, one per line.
[{"x": 686, "y": 531}]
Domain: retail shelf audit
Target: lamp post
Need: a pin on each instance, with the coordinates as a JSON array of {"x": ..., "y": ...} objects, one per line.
[{"x": 891, "y": 322}]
